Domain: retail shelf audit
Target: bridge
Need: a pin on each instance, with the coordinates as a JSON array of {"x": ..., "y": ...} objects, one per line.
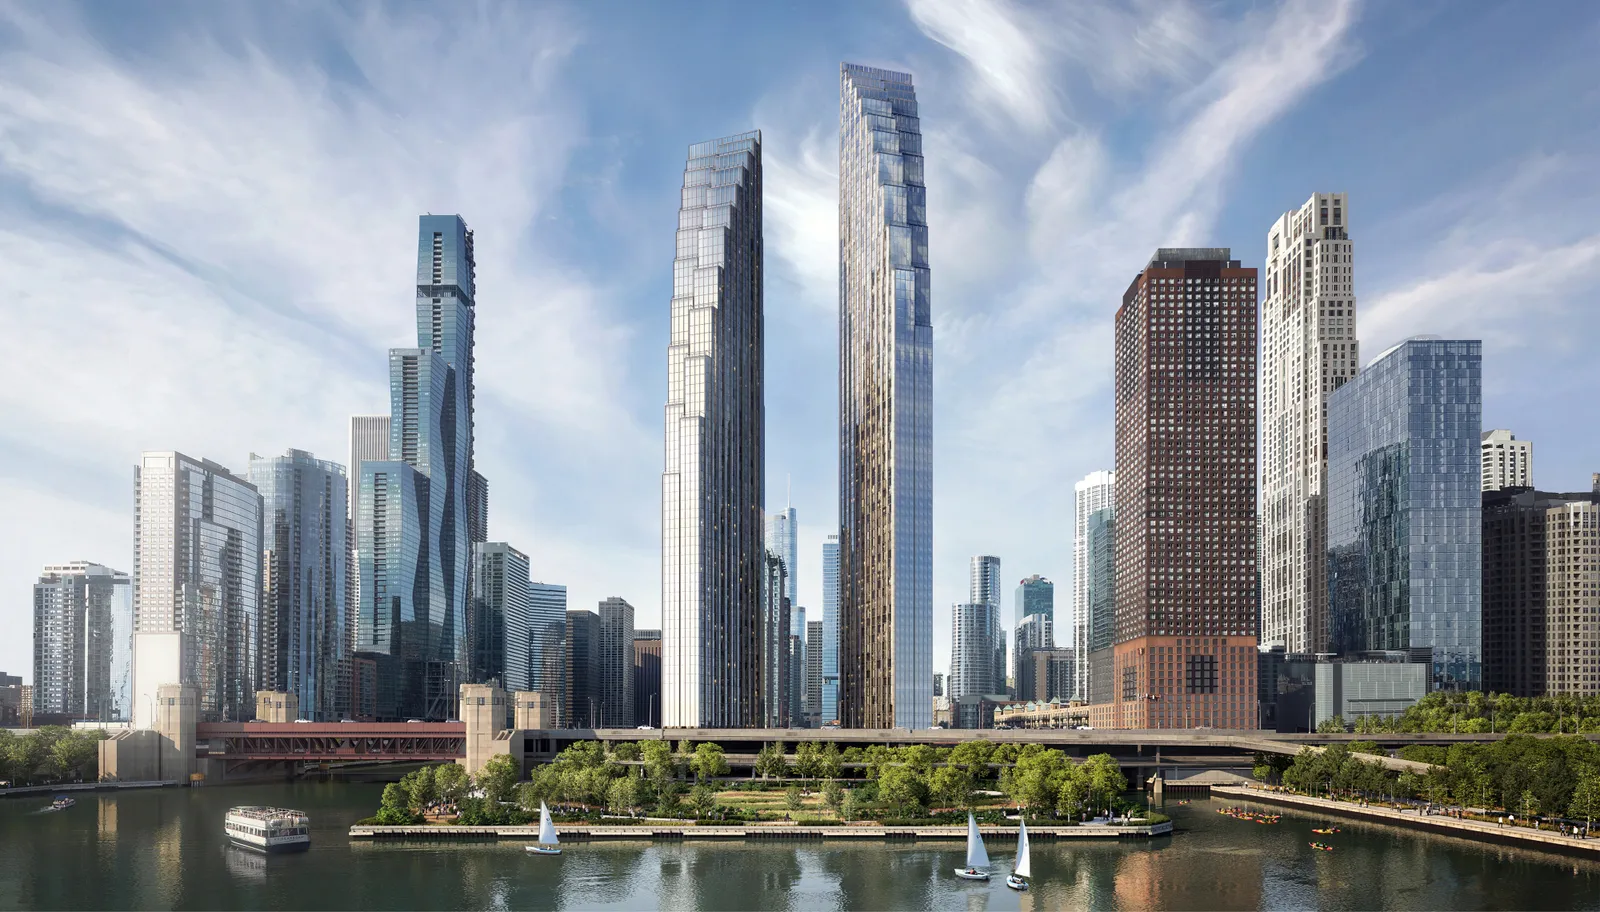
[{"x": 254, "y": 746}]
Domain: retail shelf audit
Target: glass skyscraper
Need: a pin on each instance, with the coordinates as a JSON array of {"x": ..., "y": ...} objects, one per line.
[
  {"x": 81, "y": 620},
  {"x": 400, "y": 629},
  {"x": 502, "y": 616},
  {"x": 197, "y": 573},
  {"x": 1405, "y": 507},
  {"x": 783, "y": 539},
  {"x": 547, "y": 643},
  {"x": 431, "y": 430},
  {"x": 885, "y": 406},
  {"x": 830, "y": 629},
  {"x": 306, "y": 566},
  {"x": 713, "y": 553}
]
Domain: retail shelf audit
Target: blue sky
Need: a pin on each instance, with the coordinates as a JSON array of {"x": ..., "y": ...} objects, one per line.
[{"x": 207, "y": 212}]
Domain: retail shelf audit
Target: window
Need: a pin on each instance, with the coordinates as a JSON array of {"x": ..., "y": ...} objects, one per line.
[{"x": 1202, "y": 674}]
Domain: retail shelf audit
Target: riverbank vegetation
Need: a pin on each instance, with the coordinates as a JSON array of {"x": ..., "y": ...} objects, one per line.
[
  {"x": 1520, "y": 775},
  {"x": 817, "y": 784},
  {"x": 50, "y": 755},
  {"x": 1476, "y": 713}
]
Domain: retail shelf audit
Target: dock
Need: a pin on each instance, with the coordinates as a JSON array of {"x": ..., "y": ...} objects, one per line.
[{"x": 657, "y": 833}]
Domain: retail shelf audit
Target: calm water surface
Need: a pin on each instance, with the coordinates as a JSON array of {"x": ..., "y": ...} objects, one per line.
[{"x": 164, "y": 849}]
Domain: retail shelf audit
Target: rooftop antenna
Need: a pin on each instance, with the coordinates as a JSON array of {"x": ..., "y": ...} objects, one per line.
[{"x": 788, "y": 486}]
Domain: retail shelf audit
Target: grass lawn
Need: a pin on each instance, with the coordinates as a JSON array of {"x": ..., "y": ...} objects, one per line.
[{"x": 775, "y": 804}]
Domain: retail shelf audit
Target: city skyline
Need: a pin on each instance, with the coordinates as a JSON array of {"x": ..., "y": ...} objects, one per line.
[{"x": 322, "y": 311}]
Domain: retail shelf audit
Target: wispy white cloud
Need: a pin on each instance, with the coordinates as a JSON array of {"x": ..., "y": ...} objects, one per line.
[
  {"x": 1009, "y": 63},
  {"x": 221, "y": 244}
]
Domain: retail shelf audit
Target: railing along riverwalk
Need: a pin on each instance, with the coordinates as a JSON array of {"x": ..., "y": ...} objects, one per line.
[{"x": 579, "y": 832}]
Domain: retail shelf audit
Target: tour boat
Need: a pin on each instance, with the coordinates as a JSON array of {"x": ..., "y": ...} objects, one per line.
[
  {"x": 547, "y": 835},
  {"x": 62, "y": 802},
  {"x": 1023, "y": 869},
  {"x": 268, "y": 829},
  {"x": 977, "y": 857}
]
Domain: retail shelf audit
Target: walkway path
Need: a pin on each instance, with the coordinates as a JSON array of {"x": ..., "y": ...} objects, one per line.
[
  {"x": 768, "y": 831},
  {"x": 1470, "y": 829}
]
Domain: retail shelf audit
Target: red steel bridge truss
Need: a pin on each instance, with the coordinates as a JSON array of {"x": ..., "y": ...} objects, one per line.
[{"x": 257, "y": 744}]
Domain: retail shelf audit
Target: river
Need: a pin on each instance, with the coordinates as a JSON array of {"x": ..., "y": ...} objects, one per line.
[{"x": 164, "y": 849}]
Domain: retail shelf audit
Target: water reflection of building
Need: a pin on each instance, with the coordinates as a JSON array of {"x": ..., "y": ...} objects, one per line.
[
  {"x": 245, "y": 864},
  {"x": 106, "y": 809},
  {"x": 1154, "y": 879}
]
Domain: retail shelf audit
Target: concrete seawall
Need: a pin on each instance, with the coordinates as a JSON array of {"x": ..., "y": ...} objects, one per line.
[
  {"x": 1450, "y": 826},
  {"x": 659, "y": 832}
]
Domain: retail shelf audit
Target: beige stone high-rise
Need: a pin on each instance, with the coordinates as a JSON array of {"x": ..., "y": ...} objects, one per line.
[
  {"x": 1308, "y": 350},
  {"x": 1507, "y": 461}
]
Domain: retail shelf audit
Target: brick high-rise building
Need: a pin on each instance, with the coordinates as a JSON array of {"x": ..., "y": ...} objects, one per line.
[{"x": 1187, "y": 618}]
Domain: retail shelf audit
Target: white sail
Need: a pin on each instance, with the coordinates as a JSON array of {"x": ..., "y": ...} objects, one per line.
[
  {"x": 1024, "y": 866},
  {"x": 977, "y": 857},
  {"x": 547, "y": 830}
]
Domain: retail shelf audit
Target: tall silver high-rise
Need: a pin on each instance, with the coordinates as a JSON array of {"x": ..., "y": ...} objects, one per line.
[
  {"x": 712, "y": 489},
  {"x": 1308, "y": 350},
  {"x": 430, "y": 430},
  {"x": 305, "y": 559},
  {"x": 369, "y": 442},
  {"x": 783, "y": 537},
  {"x": 547, "y": 644},
  {"x": 500, "y": 625},
  {"x": 885, "y": 406},
  {"x": 1089, "y": 495},
  {"x": 830, "y": 629},
  {"x": 80, "y": 610},
  {"x": 984, "y": 588},
  {"x": 197, "y": 574}
]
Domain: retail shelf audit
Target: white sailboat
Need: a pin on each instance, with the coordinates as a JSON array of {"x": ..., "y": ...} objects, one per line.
[
  {"x": 1017, "y": 879},
  {"x": 548, "y": 843},
  {"x": 977, "y": 857}
]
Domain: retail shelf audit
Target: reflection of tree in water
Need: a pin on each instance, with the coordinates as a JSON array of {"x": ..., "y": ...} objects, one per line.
[
  {"x": 875, "y": 875},
  {"x": 741, "y": 875},
  {"x": 600, "y": 872}
]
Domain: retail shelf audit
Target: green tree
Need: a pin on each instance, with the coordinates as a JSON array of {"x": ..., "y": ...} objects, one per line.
[
  {"x": 669, "y": 800},
  {"x": 709, "y": 761},
  {"x": 806, "y": 760},
  {"x": 1106, "y": 781},
  {"x": 829, "y": 763},
  {"x": 395, "y": 809},
  {"x": 419, "y": 786},
  {"x": 76, "y": 755},
  {"x": 833, "y": 794},
  {"x": 702, "y": 799},
  {"x": 1586, "y": 799},
  {"x": 623, "y": 795},
  {"x": 498, "y": 779},
  {"x": 920, "y": 758},
  {"x": 792, "y": 799},
  {"x": 973, "y": 756},
  {"x": 625, "y": 751},
  {"x": 1334, "y": 726},
  {"x": 876, "y": 757},
  {"x": 770, "y": 761},
  {"x": 450, "y": 781},
  {"x": 902, "y": 789},
  {"x": 1072, "y": 799},
  {"x": 852, "y": 805},
  {"x": 1529, "y": 804},
  {"x": 951, "y": 786},
  {"x": 1035, "y": 779},
  {"x": 659, "y": 764}
]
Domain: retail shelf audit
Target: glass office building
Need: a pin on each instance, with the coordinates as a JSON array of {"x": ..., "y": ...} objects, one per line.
[
  {"x": 197, "y": 572},
  {"x": 547, "y": 643},
  {"x": 713, "y": 553},
  {"x": 431, "y": 430},
  {"x": 830, "y": 629},
  {"x": 885, "y": 406},
  {"x": 502, "y": 616},
  {"x": 402, "y": 594},
  {"x": 306, "y": 565},
  {"x": 1405, "y": 507},
  {"x": 81, "y": 642}
]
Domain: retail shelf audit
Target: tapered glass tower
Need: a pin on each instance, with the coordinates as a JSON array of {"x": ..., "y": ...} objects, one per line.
[
  {"x": 885, "y": 406},
  {"x": 712, "y": 487}
]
